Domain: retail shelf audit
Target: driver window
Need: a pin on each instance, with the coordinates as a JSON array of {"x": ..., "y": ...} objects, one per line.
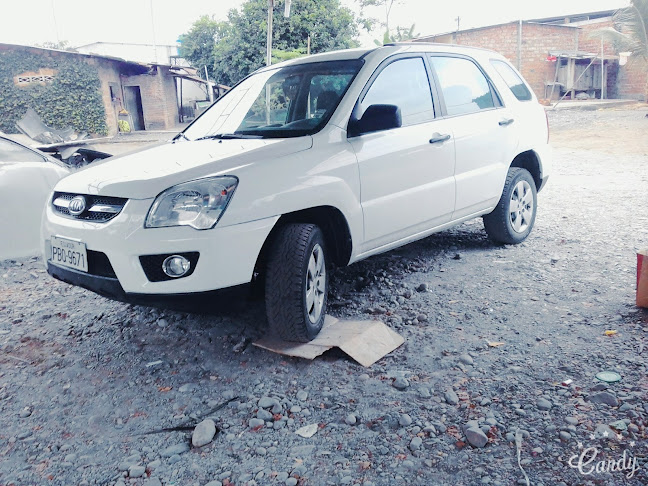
[{"x": 403, "y": 83}]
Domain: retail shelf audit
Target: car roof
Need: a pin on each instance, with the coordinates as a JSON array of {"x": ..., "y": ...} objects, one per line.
[{"x": 386, "y": 51}]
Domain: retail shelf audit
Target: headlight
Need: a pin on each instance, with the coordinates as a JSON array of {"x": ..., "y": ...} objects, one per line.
[{"x": 198, "y": 204}]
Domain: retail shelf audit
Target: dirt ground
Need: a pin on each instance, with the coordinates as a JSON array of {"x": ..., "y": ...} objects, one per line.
[{"x": 500, "y": 343}]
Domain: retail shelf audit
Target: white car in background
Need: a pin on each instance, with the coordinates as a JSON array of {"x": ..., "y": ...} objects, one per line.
[
  {"x": 318, "y": 161},
  {"x": 27, "y": 177}
]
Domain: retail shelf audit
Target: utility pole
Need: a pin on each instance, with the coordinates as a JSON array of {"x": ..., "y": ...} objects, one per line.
[
  {"x": 269, "y": 40},
  {"x": 458, "y": 19}
]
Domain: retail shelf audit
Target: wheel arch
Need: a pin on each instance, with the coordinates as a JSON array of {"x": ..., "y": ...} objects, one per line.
[
  {"x": 530, "y": 161},
  {"x": 333, "y": 224}
]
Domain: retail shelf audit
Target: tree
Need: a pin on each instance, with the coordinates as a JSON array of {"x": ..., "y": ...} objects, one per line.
[
  {"x": 197, "y": 45},
  {"x": 401, "y": 34},
  {"x": 238, "y": 44},
  {"x": 630, "y": 33}
]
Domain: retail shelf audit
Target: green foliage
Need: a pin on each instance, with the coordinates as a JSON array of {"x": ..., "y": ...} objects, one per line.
[
  {"x": 73, "y": 99},
  {"x": 197, "y": 45},
  {"x": 239, "y": 45},
  {"x": 401, "y": 34}
]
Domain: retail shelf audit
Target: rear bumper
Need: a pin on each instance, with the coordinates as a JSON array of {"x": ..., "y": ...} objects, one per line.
[{"x": 112, "y": 289}]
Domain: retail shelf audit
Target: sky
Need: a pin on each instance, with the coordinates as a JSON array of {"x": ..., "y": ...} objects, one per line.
[{"x": 144, "y": 21}]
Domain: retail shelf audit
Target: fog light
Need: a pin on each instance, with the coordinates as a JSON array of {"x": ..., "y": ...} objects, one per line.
[{"x": 176, "y": 266}]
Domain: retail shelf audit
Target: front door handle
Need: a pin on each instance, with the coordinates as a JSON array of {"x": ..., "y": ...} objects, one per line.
[
  {"x": 506, "y": 122},
  {"x": 438, "y": 138}
]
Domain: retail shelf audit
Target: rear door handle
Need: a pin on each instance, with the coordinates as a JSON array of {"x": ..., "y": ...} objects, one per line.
[
  {"x": 438, "y": 138},
  {"x": 506, "y": 121}
]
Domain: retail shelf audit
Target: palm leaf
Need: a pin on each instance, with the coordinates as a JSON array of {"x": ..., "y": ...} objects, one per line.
[{"x": 633, "y": 23}]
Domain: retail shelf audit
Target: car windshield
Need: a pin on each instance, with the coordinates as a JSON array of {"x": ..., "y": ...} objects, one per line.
[{"x": 285, "y": 102}]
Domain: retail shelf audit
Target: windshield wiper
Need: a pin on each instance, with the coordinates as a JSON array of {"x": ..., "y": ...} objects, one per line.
[
  {"x": 227, "y": 136},
  {"x": 178, "y": 136}
]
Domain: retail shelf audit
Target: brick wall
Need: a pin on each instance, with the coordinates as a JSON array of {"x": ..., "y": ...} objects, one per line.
[
  {"x": 633, "y": 80},
  {"x": 538, "y": 40},
  {"x": 109, "y": 75},
  {"x": 159, "y": 102}
]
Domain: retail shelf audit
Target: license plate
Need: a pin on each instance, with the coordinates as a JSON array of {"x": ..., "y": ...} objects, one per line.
[{"x": 69, "y": 253}]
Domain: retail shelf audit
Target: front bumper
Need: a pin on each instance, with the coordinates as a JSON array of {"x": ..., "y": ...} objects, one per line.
[
  {"x": 111, "y": 288},
  {"x": 228, "y": 254}
]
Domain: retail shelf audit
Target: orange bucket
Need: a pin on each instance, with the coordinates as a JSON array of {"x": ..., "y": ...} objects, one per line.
[{"x": 642, "y": 278}]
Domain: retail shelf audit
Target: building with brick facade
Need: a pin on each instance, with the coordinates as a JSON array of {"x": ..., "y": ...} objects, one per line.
[
  {"x": 560, "y": 55},
  {"x": 154, "y": 95}
]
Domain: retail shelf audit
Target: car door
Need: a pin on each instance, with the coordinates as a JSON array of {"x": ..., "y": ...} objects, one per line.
[
  {"x": 484, "y": 132},
  {"x": 26, "y": 182},
  {"x": 406, "y": 173}
]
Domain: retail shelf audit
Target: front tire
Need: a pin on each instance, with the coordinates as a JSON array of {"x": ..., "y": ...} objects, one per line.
[
  {"x": 296, "y": 285},
  {"x": 514, "y": 216}
]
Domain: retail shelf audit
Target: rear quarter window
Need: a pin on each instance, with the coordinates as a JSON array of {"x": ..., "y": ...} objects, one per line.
[{"x": 512, "y": 80}]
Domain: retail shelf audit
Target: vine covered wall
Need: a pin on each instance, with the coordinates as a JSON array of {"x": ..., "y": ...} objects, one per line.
[{"x": 71, "y": 99}]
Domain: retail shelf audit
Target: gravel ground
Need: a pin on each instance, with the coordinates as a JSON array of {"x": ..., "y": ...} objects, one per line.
[{"x": 98, "y": 392}]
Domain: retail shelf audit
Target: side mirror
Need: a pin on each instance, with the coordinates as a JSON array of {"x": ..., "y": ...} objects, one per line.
[{"x": 376, "y": 118}]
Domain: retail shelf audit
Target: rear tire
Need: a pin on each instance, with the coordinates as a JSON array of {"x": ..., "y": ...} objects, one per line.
[
  {"x": 296, "y": 286},
  {"x": 514, "y": 216}
]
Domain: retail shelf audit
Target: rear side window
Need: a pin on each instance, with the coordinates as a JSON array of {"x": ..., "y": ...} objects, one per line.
[
  {"x": 403, "y": 83},
  {"x": 513, "y": 80},
  {"x": 465, "y": 88}
]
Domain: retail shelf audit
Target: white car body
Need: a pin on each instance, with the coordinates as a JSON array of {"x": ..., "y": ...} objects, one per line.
[
  {"x": 27, "y": 178},
  {"x": 390, "y": 187}
]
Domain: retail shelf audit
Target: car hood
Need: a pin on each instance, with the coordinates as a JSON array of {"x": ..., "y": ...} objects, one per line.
[{"x": 146, "y": 173}]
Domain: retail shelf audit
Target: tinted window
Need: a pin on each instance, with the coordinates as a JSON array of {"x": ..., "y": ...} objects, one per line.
[
  {"x": 513, "y": 81},
  {"x": 403, "y": 83},
  {"x": 12, "y": 152},
  {"x": 465, "y": 88}
]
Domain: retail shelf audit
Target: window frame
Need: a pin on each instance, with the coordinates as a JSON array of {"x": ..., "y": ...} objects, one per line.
[
  {"x": 381, "y": 67},
  {"x": 517, "y": 74},
  {"x": 498, "y": 102}
]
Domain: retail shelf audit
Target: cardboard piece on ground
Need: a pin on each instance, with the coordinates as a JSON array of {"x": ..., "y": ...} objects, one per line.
[{"x": 364, "y": 341}]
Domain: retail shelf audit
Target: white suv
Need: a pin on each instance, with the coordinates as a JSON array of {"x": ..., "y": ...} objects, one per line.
[{"x": 318, "y": 161}]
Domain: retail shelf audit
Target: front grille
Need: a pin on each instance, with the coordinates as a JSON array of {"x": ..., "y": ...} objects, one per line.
[
  {"x": 98, "y": 264},
  {"x": 152, "y": 265},
  {"x": 97, "y": 208}
]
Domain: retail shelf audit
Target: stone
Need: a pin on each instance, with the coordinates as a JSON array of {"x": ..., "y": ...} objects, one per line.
[
  {"x": 302, "y": 395},
  {"x": 264, "y": 414},
  {"x": 451, "y": 397},
  {"x": 400, "y": 383},
  {"x": 267, "y": 402},
  {"x": 544, "y": 404},
  {"x": 422, "y": 287},
  {"x": 416, "y": 443},
  {"x": 405, "y": 420},
  {"x": 606, "y": 398},
  {"x": 136, "y": 471},
  {"x": 476, "y": 437},
  {"x": 350, "y": 419},
  {"x": 256, "y": 422},
  {"x": 466, "y": 359},
  {"x": 203, "y": 433},
  {"x": 174, "y": 449},
  {"x": 564, "y": 435}
]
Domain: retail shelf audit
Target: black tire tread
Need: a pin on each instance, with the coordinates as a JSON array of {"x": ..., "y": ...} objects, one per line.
[
  {"x": 495, "y": 222},
  {"x": 285, "y": 281}
]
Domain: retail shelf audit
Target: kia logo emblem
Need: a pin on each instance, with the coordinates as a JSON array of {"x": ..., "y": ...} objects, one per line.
[{"x": 77, "y": 205}]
